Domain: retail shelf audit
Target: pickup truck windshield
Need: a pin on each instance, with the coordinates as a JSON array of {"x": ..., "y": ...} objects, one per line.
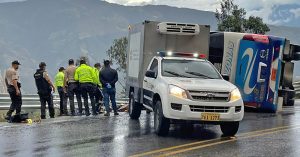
[{"x": 189, "y": 69}]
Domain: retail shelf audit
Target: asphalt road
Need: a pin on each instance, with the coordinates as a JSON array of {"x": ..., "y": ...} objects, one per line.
[{"x": 260, "y": 134}]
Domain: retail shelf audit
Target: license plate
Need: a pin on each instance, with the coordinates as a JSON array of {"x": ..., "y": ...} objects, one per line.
[{"x": 210, "y": 116}]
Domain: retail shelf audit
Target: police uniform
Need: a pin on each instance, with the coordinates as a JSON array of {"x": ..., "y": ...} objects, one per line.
[
  {"x": 85, "y": 75},
  {"x": 44, "y": 92},
  {"x": 73, "y": 88},
  {"x": 59, "y": 83},
  {"x": 98, "y": 93},
  {"x": 16, "y": 100}
]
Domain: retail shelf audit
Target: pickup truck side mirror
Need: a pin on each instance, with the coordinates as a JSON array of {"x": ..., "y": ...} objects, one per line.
[
  {"x": 225, "y": 77},
  {"x": 150, "y": 74}
]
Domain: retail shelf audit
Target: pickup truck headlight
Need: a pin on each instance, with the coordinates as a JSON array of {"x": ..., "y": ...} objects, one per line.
[
  {"x": 235, "y": 95},
  {"x": 177, "y": 91}
]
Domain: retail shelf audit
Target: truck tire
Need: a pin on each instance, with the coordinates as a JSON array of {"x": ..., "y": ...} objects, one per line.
[
  {"x": 291, "y": 102},
  {"x": 229, "y": 128},
  {"x": 161, "y": 123},
  {"x": 288, "y": 98},
  {"x": 134, "y": 108}
]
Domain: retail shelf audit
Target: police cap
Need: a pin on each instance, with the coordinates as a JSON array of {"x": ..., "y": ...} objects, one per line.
[{"x": 16, "y": 62}]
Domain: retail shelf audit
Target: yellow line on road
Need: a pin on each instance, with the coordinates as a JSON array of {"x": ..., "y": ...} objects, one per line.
[
  {"x": 222, "y": 142},
  {"x": 171, "y": 148},
  {"x": 205, "y": 141}
]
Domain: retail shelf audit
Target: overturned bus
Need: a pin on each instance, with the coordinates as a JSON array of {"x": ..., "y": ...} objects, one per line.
[{"x": 261, "y": 66}]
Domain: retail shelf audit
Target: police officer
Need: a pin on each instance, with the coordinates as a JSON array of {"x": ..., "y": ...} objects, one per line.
[
  {"x": 72, "y": 87},
  {"x": 59, "y": 83},
  {"x": 98, "y": 93},
  {"x": 108, "y": 78},
  {"x": 45, "y": 88},
  {"x": 87, "y": 80},
  {"x": 13, "y": 88}
]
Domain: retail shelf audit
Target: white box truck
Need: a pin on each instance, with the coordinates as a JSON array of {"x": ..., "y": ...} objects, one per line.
[{"x": 168, "y": 73}]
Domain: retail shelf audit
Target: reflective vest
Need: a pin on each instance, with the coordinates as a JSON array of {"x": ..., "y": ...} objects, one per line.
[
  {"x": 85, "y": 74},
  {"x": 59, "y": 79},
  {"x": 97, "y": 74}
]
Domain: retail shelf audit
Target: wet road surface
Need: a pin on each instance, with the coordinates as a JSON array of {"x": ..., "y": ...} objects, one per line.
[{"x": 260, "y": 134}]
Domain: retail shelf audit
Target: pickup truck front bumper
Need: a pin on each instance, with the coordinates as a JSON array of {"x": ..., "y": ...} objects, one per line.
[{"x": 185, "y": 109}]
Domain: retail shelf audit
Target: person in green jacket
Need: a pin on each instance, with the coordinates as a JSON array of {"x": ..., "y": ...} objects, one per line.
[
  {"x": 59, "y": 83},
  {"x": 98, "y": 93},
  {"x": 87, "y": 79}
]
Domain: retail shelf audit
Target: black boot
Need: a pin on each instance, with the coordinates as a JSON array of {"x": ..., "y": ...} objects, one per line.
[
  {"x": 116, "y": 113},
  {"x": 107, "y": 114}
]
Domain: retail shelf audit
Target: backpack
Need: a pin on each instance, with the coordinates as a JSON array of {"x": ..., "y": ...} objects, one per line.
[{"x": 19, "y": 118}]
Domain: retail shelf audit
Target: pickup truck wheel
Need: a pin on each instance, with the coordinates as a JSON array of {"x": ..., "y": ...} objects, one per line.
[
  {"x": 229, "y": 128},
  {"x": 134, "y": 108},
  {"x": 161, "y": 123}
]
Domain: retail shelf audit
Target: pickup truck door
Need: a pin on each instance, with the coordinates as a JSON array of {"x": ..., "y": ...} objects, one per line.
[{"x": 148, "y": 84}]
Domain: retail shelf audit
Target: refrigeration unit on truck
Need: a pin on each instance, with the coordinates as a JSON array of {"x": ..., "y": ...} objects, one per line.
[
  {"x": 261, "y": 66},
  {"x": 168, "y": 73}
]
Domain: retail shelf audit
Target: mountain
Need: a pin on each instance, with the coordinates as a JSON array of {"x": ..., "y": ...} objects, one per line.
[{"x": 56, "y": 30}]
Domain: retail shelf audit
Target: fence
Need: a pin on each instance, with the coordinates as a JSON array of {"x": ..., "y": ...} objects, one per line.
[
  {"x": 32, "y": 101},
  {"x": 297, "y": 89}
]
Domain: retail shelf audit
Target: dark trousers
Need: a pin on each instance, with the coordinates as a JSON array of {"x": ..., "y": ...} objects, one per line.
[
  {"x": 110, "y": 93},
  {"x": 47, "y": 99},
  {"x": 63, "y": 101},
  {"x": 88, "y": 90},
  {"x": 16, "y": 101},
  {"x": 73, "y": 88},
  {"x": 98, "y": 97}
]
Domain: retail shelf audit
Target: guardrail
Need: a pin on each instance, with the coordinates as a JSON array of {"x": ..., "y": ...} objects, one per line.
[
  {"x": 297, "y": 88},
  {"x": 32, "y": 101}
]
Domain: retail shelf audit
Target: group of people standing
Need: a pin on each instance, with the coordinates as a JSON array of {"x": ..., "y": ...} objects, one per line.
[{"x": 83, "y": 81}]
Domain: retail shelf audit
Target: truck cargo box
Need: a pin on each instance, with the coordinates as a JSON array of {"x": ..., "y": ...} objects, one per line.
[{"x": 150, "y": 37}]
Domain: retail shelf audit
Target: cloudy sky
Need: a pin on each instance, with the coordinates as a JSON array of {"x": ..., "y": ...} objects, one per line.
[
  {"x": 278, "y": 12},
  {"x": 3, "y": 1}
]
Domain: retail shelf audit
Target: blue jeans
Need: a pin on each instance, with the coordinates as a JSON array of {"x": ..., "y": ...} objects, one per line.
[{"x": 110, "y": 93}]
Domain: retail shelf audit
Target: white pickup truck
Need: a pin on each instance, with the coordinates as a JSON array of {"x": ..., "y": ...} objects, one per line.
[{"x": 179, "y": 85}]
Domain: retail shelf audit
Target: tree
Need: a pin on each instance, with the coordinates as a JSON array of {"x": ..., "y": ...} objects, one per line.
[
  {"x": 233, "y": 19},
  {"x": 256, "y": 25},
  {"x": 117, "y": 53}
]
